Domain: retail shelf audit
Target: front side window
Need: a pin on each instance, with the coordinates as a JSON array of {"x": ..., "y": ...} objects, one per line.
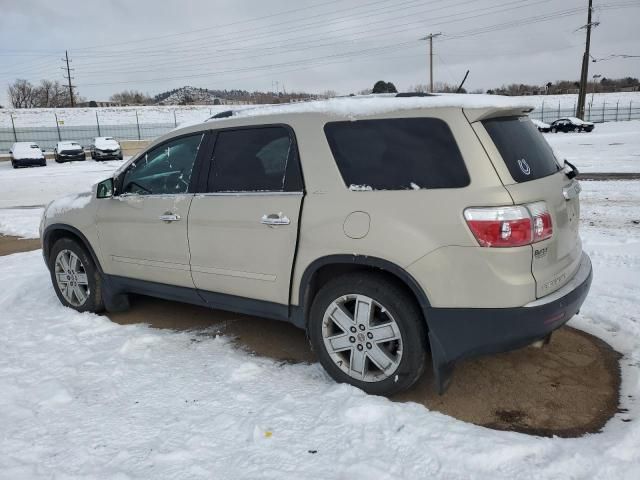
[
  {"x": 397, "y": 154},
  {"x": 250, "y": 160},
  {"x": 163, "y": 170}
]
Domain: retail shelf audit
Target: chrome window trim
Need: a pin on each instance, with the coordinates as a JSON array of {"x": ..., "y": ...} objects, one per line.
[{"x": 246, "y": 194}]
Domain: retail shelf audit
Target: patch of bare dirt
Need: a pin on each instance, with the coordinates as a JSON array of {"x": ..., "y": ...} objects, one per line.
[
  {"x": 568, "y": 388},
  {"x": 9, "y": 244}
]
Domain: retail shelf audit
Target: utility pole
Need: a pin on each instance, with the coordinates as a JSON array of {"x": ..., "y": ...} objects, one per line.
[
  {"x": 585, "y": 65},
  {"x": 430, "y": 38},
  {"x": 68, "y": 77}
]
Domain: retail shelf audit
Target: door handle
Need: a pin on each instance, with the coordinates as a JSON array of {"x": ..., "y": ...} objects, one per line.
[
  {"x": 169, "y": 217},
  {"x": 275, "y": 219}
]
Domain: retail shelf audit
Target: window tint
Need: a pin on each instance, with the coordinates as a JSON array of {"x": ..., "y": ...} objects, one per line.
[
  {"x": 163, "y": 170},
  {"x": 523, "y": 148},
  {"x": 397, "y": 154},
  {"x": 250, "y": 160}
]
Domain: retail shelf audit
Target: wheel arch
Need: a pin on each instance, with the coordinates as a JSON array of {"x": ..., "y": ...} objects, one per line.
[
  {"x": 57, "y": 231},
  {"x": 320, "y": 270}
]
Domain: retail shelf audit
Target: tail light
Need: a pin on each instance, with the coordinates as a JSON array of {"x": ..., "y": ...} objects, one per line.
[{"x": 510, "y": 226}]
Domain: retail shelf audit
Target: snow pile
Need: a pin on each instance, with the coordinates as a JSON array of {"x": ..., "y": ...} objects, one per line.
[
  {"x": 379, "y": 104},
  {"x": 68, "y": 146},
  {"x": 26, "y": 151},
  {"x": 82, "y": 397},
  {"x": 20, "y": 222},
  {"x": 106, "y": 143}
]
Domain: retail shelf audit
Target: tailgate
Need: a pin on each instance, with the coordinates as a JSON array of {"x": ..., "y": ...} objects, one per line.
[
  {"x": 530, "y": 173},
  {"x": 555, "y": 260}
]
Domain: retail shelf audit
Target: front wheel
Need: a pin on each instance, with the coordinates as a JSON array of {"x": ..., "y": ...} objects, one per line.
[
  {"x": 75, "y": 278},
  {"x": 369, "y": 333},
  {"x": 553, "y": 130}
]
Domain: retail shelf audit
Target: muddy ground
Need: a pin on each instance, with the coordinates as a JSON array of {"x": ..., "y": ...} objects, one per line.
[{"x": 568, "y": 388}]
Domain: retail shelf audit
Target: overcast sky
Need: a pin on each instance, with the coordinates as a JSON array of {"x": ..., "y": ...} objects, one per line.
[{"x": 309, "y": 45}]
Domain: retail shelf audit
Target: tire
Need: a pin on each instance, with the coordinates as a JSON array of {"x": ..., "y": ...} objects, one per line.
[
  {"x": 404, "y": 353},
  {"x": 92, "y": 289},
  {"x": 13, "y": 164},
  {"x": 93, "y": 156},
  {"x": 120, "y": 157},
  {"x": 576, "y": 130},
  {"x": 553, "y": 130}
]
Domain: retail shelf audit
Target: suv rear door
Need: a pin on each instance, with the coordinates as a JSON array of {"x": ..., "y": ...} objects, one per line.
[
  {"x": 531, "y": 173},
  {"x": 243, "y": 223}
]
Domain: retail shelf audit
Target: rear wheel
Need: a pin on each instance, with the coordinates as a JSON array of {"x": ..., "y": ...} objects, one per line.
[
  {"x": 75, "y": 278},
  {"x": 368, "y": 332},
  {"x": 120, "y": 157},
  {"x": 553, "y": 130}
]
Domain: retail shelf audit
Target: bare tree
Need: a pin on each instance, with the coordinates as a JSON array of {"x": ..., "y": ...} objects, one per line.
[
  {"x": 22, "y": 94},
  {"x": 52, "y": 94},
  {"x": 131, "y": 97}
]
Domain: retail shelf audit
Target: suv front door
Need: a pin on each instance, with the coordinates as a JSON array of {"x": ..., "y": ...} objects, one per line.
[
  {"x": 243, "y": 225},
  {"x": 143, "y": 230}
]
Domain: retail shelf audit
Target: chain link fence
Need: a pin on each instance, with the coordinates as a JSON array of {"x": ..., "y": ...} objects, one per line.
[
  {"x": 46, "y": 137},
  {"x": 602, "y": 112}
]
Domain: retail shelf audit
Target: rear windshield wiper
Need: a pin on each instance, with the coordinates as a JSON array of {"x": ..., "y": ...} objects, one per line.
[{"x": 570, "y": 169}]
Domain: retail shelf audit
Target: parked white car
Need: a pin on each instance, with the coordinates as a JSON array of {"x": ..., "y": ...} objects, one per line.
[
  {"x": 26, "y": 154},
  {"x": 105, "y": 148}
]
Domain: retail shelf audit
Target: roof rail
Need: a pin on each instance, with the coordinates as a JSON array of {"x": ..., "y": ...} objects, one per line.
[{"x": 415, "y": 94}]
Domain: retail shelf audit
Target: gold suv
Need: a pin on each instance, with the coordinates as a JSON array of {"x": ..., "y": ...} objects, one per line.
[{"x": 385, "y": 227}]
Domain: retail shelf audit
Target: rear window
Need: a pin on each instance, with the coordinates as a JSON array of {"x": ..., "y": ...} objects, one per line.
[
  {"x": 397, "y": 154},
  {"x": 523, "y": 148}
]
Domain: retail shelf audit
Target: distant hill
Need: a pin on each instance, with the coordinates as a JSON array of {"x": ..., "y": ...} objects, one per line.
[{"x": 203, "y": 96}]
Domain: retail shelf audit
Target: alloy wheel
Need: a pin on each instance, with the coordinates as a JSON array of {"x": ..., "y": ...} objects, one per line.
[
  {"x": 362, "y": 338},
  {"x": 71, "y": 278}
]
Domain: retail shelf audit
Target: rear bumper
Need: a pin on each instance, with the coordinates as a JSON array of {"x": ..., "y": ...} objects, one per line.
[
  {"x": 457, "y": 333},
  {"x": 106, "y": 155}
]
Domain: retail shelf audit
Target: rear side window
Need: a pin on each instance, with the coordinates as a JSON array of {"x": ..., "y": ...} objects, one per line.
[
  {"x": 397, "y": 154},
  {"x": 525, "y": 151},
  {"x": 254, "y": 160}
]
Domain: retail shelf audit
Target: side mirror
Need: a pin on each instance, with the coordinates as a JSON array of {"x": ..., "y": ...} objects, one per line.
[{"x": 105, "y": 188}]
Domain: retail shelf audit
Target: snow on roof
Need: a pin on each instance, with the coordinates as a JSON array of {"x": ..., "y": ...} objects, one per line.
[
  {"x": 538, "y": 123},
  {"x": 377, "y": 104},
  {"x": 577, "y": 121},
  {"x": 26, "y": 150}
]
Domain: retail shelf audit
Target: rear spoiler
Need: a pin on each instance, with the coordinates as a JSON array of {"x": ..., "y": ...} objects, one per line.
[{"x": 478, "y": 114}]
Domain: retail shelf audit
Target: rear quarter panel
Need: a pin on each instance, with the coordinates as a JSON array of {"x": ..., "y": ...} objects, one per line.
[{"x": 404, "y": 226}]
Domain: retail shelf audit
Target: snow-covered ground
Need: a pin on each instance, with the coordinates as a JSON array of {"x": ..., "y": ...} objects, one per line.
[
  {"x": 611, "y": 147},
  {"x": 46, "y": 117},
  {"x": 569, "y": 100},
  {"x": 82, "y": 397},
  {"x": 39, "y": 185}
]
